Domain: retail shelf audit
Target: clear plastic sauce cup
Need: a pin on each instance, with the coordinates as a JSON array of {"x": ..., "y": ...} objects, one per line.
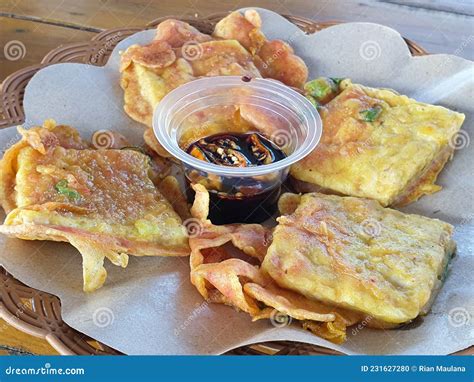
[{"x": 230, "y": 104}]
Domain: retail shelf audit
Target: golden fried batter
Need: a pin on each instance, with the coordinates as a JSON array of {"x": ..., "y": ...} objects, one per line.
[
  {"x": 274, "y": 59},
  {"x": 352, "y": 253},
  {"x": 103, "y": 201},
  {"x": 380, "y": 145},
  {"x": 180, "y": 53},
  {"x": 223, "y": 276}
]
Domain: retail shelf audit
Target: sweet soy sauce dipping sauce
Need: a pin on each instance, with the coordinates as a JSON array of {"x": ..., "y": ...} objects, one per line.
[{"x": 244, "y": 200}]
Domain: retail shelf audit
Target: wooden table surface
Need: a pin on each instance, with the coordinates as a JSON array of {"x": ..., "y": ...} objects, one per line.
[{"x": 440, "y": 26}]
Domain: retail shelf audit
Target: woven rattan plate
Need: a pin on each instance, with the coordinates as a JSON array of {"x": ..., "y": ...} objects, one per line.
[{"x": 39, "y": 313}]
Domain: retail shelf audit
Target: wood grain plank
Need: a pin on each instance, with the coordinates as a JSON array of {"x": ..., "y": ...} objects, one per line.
[
  {"x": 35, "y": 40},
  {"x": 461, "y": 7},
  {"x": 437, "y": 32},
  {"x": 14, "y": 341},
  {"x": 445, "y": 27}
]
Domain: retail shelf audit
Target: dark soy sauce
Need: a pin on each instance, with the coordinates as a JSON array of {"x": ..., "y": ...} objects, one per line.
[
  {"x": 241, "y": 201},
  {"x": 236, "y": 150}
]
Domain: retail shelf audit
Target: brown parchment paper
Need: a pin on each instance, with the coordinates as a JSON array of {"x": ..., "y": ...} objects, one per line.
[{"x": 151, "y": 307}]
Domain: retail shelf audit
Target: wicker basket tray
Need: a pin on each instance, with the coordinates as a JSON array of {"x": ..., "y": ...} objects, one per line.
[{"x": 39, "y": 313}]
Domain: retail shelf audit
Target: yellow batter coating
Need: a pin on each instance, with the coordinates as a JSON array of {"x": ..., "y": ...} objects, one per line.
[{"x": 380, "y": 145}]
